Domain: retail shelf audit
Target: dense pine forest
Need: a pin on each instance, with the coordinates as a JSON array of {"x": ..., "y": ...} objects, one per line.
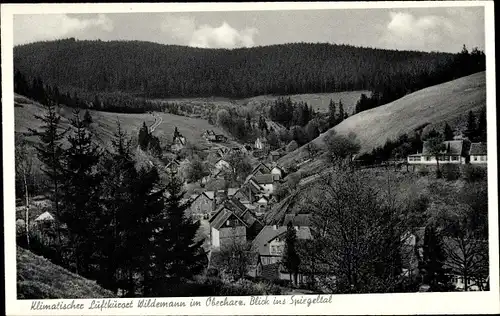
[{"x": 153, "y": 70}]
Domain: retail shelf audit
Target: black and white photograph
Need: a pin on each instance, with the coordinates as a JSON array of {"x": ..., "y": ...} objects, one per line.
[{"x": 293, "y": 153}]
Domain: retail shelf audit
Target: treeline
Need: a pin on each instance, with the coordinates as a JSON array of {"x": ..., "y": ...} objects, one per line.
[
  {"x": 155, "y": 70},
  {"x": 114, "y": 222},
  {"x": 465, "y": 63},
  {"x": 111, "y": 102}
]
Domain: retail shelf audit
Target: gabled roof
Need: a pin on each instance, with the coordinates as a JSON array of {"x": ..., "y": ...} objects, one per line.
[
  {"x": 478, "y": 149},
  {"x": 261, "y": 165},
  {"x": 208, "y": 194},
  {"x": 46, "y": 216},
  {"x": 210, "y": 132},
  {"x": 180, "y": 138},
  {"x": 265, "y": 178},
  {"x": 173, "y": 162},
  {"x": 232, "y": 207},
  {"x": 269, "y": 233},
  {"x": 279, "y": 168}
]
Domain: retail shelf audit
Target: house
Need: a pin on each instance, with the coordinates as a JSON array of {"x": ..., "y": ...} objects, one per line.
[
  {"x": 219, "y": 166},
  {"x": 278, "y": 171},
  {"x": 213, "y": 137},
  {"x": 478, "y": 153},
  {"x": 233, "y": 222},
  {"x": 267, "y": 182},
  {"x": 219, "y": 138},
  {"x": 261, "y": 168},
  {"x": 261, "y": 205},
  {"x": 270, "y": 244},
  {"x": 173, "y": 166},
  {"x": 178, "y": 142},
  {"x": 248, "y": 193},
  {"x": 275, "y": 155},
  {"x": 203, "y": 205},
  {"x": 209, "y": 135},
  {"x": 455, "y": 152},
  {"x": 261, "y": 144}
]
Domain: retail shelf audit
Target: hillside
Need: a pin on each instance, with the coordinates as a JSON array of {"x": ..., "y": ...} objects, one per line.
[
  {"x": 449, "y": 102},
  {"x": 38, "y": 278},
  {"x": 156, "y": 70},
  {"x": 104, "y": 125}
]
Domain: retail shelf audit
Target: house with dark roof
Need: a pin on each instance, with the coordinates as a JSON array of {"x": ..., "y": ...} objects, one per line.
[
  {"x": 178, "y": 142},
  {"x": 267, "y": 182},
  {"x": 203, "y": 205},
  {"x": 261, "y": 168},
  {"x": 173, "y": 166},
  {"x": 275, "y": 155},
  {"x": 233, "y": 222},
  {"x": 478, "y": 153},
  {"x": 248, "y": 193},
  {"x": 455, "y": 152}
]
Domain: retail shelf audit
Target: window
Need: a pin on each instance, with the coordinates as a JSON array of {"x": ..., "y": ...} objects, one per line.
[
  {"x": 483, "y": 158},
  {"x": 454, "y": 158},
  {"x": 428, "y": 158},
  {"x": 475, "y": 158},
  {"x": 273, "y": 249}
]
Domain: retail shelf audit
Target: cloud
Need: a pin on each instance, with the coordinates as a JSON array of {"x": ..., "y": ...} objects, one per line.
[
  {"x": 405, "y": 31},
  {"x": 207, "y": 36},
  {"x": 31, "y": 28}
]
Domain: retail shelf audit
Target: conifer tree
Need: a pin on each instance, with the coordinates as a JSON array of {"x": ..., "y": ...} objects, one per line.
[
  {"x": 448, "y": 132},
  {"x": 341, "y": 112},
  {"x": 177, "y": 255},
  {"x": 471, "y": 128},
  {"x": 80, "y": 196},
  {"x": 50, "y": 152},
  {"x": 144, "y": 137},
  {"x": 87, "y": 118},
  {"x": 332, "y": 119},
  {"x": 291, "y": 259},
  {"x": 433, "y": 260},
  {"x": 481, "y": 126}
]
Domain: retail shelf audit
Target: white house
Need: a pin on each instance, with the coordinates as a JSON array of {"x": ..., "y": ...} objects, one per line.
[
  {"x": 261, "y": 143},
  {"x": 232, "y": 222},
  {"x": 455, "y": 152},
  {"x": 478, "y": 153},
  {"x": 278, "y": 171}
]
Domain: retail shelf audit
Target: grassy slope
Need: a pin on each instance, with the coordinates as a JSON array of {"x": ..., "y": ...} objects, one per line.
[
  {"x": 105, "y": 122},
  {"x": 318, "y": 101},
  {"x": 449, "y": 102},
  {"x": 38, "y": 278}
]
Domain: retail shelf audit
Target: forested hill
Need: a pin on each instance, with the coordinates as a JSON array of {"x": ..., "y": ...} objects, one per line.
[{"x": 155, "y": 70}]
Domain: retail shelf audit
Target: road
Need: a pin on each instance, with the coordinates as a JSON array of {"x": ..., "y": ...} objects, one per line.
[{"x": 158, "y": 121}]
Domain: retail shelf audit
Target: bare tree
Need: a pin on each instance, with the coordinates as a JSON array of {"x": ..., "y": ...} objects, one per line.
[
  {"x": 24, "y": 163},
  {"x": 357, "y": 238},
  {"x": 436, "y": 147},
  {"x": 235, "y": 259}
]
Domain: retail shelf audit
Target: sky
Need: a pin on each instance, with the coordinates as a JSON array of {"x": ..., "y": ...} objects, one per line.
[{"x": 424, "y": 29}]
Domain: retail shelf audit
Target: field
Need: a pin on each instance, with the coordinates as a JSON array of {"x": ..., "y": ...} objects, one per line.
[
  {"x": 105, "y": 123},
  {"x": 450, "y": 102},
  {"x": 318, "y": 101},
  {"x": 38, "y": 278}
]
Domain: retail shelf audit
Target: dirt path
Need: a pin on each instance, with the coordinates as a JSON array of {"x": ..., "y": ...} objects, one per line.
[{"x": 158, "y": 121}]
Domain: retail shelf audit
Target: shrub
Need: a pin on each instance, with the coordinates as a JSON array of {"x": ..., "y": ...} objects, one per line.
[
  {"x": 451, "y": 172},
  {"x": 423, "y": 171},
  {"x": 474, "y": 173}
]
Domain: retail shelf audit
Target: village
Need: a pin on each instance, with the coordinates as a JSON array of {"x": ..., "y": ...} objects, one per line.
[{"x": 230, "y": 215}]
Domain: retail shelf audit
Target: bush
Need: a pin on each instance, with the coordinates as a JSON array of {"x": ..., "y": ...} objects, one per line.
[
  {"x": 423, "y": 171},
  {"x": 474, "y": 173},
  {"x": 451, "y": 172}
]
